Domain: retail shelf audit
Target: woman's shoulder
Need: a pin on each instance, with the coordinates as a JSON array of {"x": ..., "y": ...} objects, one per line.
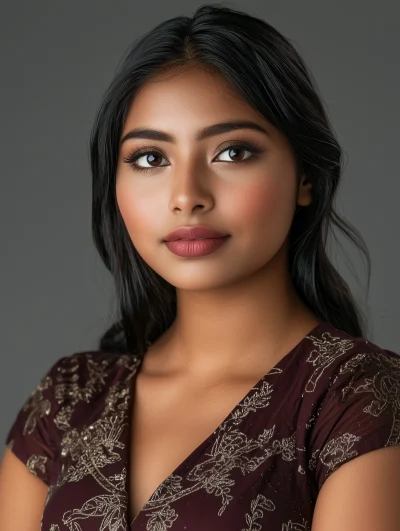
[
  {"x": 75, "y": 388},
  {"x": 91, "y": 367},
  {"x": 351, "y": 396},
  {"x": 83, "y": 378},
  {"x": 330, "y": 346},
  {"x": 338, "y": 364},
  {"x": 72, "y": 383}
]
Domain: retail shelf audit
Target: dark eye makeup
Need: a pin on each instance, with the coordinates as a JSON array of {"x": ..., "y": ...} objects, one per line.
[{"x": 252, "y": 147}]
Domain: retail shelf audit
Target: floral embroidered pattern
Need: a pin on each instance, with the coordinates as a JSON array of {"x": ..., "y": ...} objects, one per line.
[
  {"x": 331, "y": 399},
  {"x": 37, "y": 463},
  {"x": 381, "y": 396},
  {"x": 259, "y": 504},
  {"x": 37, "y": 405},
  {"x": 90, "y": 449}
]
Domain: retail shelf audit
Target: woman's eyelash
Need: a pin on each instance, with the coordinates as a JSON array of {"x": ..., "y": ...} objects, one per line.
[{"x": 136, "y": 154}]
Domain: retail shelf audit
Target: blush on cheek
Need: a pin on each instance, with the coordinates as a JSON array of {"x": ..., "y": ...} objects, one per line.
[
  {"x": 263, "y": 202},
  {"x": 128, "y": 207},
  {"x": 139, "y": 212}
]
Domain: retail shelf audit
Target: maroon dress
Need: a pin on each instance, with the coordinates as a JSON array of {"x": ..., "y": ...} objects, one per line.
[{"x": 331, "y": 398}]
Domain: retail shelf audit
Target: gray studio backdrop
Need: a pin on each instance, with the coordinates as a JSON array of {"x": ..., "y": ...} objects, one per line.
[{"x": 57, "y": 58}]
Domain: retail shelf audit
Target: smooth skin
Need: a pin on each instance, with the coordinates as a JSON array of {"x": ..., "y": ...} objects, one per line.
[
  {"x": 22, "y": 496},
  {"x": 238, "y": 313},
  {"x": 236, "y": 308},
  {"x": 362, "y": 495}
]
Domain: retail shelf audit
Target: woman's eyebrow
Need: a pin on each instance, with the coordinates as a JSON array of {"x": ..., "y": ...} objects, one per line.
[{"x": 206, "y": 132}]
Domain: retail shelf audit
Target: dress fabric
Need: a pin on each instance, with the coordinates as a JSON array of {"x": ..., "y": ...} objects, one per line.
[{"x": 332, "y": 398}]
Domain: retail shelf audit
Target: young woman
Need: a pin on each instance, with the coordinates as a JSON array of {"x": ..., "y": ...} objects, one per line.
[{"x": 236, "y": 391}]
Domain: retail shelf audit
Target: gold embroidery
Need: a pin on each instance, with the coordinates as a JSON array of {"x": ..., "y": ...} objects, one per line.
[
  {"x": 295, "y": 526},
  {"x": 37, "y": 462},
  {"x": 162, "y": 519},
  {"x": 257, "y": 505},
  {"x": 69, "y": 390},
  {"x": 38, "y": 405},
  {"x": 110, "y": 506},
  {"x": 384, "y": 388},
  {"x": 89, "y": 449},
  {"x": 328, "y": 350},
  {"x": 231, "y": 449}
]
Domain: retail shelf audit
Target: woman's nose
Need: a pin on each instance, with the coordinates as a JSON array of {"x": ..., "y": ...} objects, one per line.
[{"x": 190, "y": 192}]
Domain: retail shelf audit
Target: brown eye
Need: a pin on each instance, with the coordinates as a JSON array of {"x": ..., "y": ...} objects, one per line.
[
  {"x": 152, "y": 158},
  {"x": 235, "y": 154}
]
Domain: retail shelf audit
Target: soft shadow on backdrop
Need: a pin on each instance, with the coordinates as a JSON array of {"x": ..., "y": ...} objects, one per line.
[{"x": 57, "y": 59}]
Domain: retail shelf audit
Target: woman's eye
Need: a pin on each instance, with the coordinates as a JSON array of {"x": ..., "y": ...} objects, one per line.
[
  {"x": 151, "y": 157},
  {"x": 235, "y": 154}
]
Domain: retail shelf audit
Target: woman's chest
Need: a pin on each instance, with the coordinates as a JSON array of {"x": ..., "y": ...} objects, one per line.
[
  {"x": 169, "y": 426},
  {"x": 191, "y": 474},
  {"x": 205, "y": 459}
]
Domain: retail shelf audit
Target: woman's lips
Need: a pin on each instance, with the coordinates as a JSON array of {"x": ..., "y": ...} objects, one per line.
[
  {"x": 194, "y": 248},
  {"x": 194, "y": 233}
]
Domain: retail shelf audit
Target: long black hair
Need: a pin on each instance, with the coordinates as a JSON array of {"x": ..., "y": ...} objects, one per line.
[{"x": 266, "y": 70}]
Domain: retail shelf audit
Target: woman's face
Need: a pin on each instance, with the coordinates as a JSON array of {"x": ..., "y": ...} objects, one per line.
[{"x": 249, "y": 192}]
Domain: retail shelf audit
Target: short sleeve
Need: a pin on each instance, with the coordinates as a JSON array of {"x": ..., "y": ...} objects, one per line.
[
  {"x": 359, "y": 413},
  {"x": 32, "y": 435}
]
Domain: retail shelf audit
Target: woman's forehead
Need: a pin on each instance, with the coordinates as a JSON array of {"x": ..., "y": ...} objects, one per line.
[{"x": 190, "y": 98}]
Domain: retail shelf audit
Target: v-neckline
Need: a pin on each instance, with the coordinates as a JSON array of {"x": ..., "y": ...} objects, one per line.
[{"x": 207, "y": 440}]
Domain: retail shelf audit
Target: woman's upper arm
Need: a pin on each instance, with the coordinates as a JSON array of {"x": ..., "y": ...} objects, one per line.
[{"x": 22, "y": 495}]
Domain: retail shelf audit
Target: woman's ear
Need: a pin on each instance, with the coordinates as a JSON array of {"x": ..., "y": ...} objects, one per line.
[{"x": 304, "y": 195}]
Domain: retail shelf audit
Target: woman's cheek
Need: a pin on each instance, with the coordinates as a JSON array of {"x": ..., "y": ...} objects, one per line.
[
  {"x": 136, "y": 206},
  {"x": 264, "y": 205},
  {"x": 133, "y": 212}
]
